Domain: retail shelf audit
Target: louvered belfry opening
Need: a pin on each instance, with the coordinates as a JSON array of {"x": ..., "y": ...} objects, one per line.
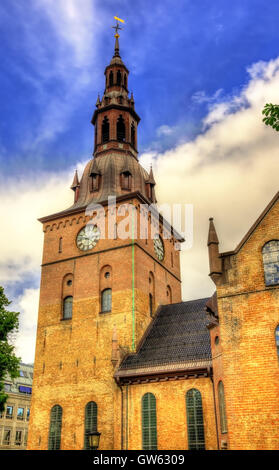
[
  {"x": 195, "y": 424},
  {"x": 118, "y": 78},
  {"x": 91, "y": 412},
  {"x": 121, "y": 132},
  {"x": 133, "y": 135},
  {"x": 149, "y": 422},
  {"x": 54, "y": 439},
  {"x": 111, "y": 78},
  {"x": 105, "y": 130}
]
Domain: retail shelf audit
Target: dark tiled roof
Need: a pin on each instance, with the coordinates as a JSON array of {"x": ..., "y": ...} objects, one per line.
[{"x": 178, "y": 334}]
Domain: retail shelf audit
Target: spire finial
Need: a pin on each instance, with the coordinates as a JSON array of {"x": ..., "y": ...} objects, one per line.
[{"x": 117, "y": 28}]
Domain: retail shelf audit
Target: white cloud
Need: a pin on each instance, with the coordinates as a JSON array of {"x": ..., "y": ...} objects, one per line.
[
  {"x": 25, "y": 342},
  {"x": 23, "y": 201},
  {"x": 201, "y": 97},
  {"x": 229, "y": 172},
  {"x": 165, "y": 130}
]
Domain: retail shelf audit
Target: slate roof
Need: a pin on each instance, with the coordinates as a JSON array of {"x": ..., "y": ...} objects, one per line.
[{"x": 177, "y": 335}]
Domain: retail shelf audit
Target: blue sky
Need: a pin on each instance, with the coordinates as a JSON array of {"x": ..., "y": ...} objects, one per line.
[
  {"x": 174, "y": 51},
  {"x": 200, "y": 72}
]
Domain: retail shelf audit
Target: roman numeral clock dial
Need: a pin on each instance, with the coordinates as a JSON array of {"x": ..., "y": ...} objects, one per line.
[
  {"x": 88, "y": 237},
  {"x": 159, "y": 247}
]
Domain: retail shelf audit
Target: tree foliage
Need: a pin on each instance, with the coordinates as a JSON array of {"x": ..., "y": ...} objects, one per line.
[
  {"x": 9, "y": 363},
  {"x": 271, "y": 112}
]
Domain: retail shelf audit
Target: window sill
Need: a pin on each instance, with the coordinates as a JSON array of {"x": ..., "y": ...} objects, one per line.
[{"x": 105, "y": 311}]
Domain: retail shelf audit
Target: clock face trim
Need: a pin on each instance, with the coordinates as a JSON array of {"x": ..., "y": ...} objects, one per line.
[
  {"x": 88, "y": 237},
  {"x": 159, "y": 247}
]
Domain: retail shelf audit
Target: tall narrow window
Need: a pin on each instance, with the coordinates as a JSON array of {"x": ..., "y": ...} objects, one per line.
[
  {"x": 111, "y": 78},
  {"x": 277, "y": 340},
  {"x": 67, "y": 307},
  {"x": 106, "y": 300},
  {"x": 133, "y": 135},
  {"x": 151, "y": 293},
  {"x": 125, "y": 80},
  {"x": 7, "y": 437},
  {"x": 270, "y": 254},
  {"x": 18, "y": 438},
  {"x": 149, "y": 422},
  {"x": 95, "y": 140},
  {"x": 90, "y": 422},
  {"x": 120, "y": 129},
  {"x": 118, "y": 78},
  {"x": 151, "y": 304},
  {"x": 54, "y": 438},
  {"x": 222, "y": 407},
  {"x": 195, "y": 420},
  {"x": 105, "y": 130},
  {"x": 60, "y": 245}
]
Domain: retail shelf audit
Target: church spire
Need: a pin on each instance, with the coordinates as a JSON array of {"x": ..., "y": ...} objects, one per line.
[
  {"x": 115, "y": 119},
  {"x": 117, "y": 28}
]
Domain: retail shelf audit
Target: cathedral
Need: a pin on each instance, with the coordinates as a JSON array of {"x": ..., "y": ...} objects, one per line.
[{"x": 119, "y": 355}]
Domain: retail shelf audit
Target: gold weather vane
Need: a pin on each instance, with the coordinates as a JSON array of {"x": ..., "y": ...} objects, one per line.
[{"x": 117, "y": 27}]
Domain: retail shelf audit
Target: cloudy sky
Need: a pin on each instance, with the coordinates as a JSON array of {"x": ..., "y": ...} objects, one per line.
[{"x": 201, "y": 72}]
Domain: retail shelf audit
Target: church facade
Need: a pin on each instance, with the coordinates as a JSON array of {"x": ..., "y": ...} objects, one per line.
[{"x": 117, "y": 350}]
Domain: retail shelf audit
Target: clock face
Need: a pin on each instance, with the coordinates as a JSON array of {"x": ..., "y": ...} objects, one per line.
[
  {"x": 159, "y": 247},
  {"x": 88, "y": 237}
]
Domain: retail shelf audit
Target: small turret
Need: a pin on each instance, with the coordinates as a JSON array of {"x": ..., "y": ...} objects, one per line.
[
  {"x": 150, "y": 184},
  {"x": 215, "y": 262},
  {"x": 75, "y": 186}
]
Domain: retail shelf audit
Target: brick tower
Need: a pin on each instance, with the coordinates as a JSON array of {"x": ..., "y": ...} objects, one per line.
[{"x": 98, "y": 293}]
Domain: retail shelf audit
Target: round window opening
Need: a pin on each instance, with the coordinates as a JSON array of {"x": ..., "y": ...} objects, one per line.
[
  {"x": 69, "y": 283},
  {"x": 107, "y": 275}
]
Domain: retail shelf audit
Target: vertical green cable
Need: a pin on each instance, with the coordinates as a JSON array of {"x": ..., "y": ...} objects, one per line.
[{"x": 133, "y": 282}]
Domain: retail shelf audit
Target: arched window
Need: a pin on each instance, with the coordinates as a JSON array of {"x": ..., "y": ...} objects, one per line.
[
  {"x": 106, "y": 300},
  {"x": 133, "y": 135},
  {"x": 222, "y": 407},
  {"x": 111, "y": 78},
  {"x": 60, "y": 245},
  {"x": 118, "y": 78},
  {"x": 90, "y": 422},
  {"x": 120, "y": 129},
  {"x": 169, "y": 295},
  {"x": 195, "y": 420},
  {"x": 270, "y": 254},
  {"x": 149, "y": 422},
  {"x": 126, "y": 179},
  {"x": 67, "y": 307},
  {"x": 277, "y": 340},
  {"x": 54, "y": 437},
  {"x": 105, "y": 130}
]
